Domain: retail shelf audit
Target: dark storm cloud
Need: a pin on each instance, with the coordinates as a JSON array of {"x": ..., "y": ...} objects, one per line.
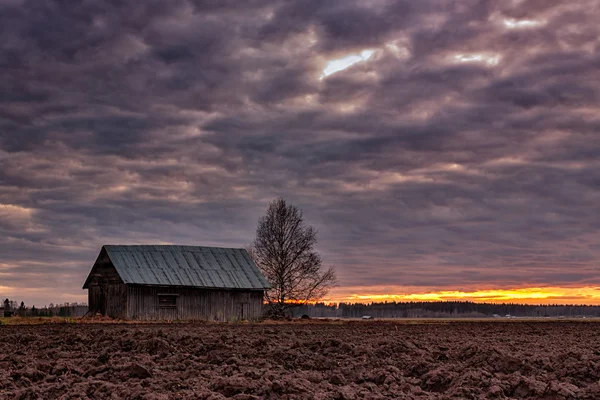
[{"x": 462, "y": 153}]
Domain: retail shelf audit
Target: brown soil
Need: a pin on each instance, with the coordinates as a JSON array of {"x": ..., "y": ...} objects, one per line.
[{"x": 302, "y": 360}]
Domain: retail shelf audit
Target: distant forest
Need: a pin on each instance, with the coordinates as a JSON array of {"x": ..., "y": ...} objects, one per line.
[
  {"x": 443, "y": 309},
  {"x": 12, "y": 308}
]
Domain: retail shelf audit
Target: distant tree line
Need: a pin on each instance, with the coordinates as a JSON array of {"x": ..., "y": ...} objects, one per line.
[
  {"x": 12, "y": 308},
  {"x": 443, "y": 309}
]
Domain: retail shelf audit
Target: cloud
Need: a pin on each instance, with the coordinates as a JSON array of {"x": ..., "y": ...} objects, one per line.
[{"x": 463, "y": 153}]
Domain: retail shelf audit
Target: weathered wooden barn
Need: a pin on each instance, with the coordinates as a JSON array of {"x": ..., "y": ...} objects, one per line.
[{"x": 175, "y": 283}]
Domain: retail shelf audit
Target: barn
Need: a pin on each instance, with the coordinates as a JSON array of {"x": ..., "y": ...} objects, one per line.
[{"x": 175, "y": 283}]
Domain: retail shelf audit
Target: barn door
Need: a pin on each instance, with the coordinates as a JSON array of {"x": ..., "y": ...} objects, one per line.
[
  {"x": 102, "y": 300},
  {"x": 244, "y": 311}
]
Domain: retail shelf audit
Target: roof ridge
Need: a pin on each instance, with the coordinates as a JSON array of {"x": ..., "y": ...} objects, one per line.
[
  {"x": 172, "y": 245},
  {"x": 190, "y": 266}
]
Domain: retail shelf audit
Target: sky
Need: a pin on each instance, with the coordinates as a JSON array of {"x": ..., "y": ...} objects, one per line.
[{"x": 442, "y": 149}]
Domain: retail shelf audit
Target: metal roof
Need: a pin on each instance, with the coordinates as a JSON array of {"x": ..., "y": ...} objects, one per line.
[{"x": 207, "y": 267}]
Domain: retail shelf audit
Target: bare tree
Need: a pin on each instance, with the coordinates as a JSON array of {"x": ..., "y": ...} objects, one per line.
[
  {"x": 6, "y": 308},
  {"x": 284, "y": 251}
]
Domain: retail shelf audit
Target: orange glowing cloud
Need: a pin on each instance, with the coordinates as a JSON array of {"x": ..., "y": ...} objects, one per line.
[{"x": 532, "y": 295}]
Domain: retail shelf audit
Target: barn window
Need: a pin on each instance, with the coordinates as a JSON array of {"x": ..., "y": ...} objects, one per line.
[{"x": 167, "y": 300}]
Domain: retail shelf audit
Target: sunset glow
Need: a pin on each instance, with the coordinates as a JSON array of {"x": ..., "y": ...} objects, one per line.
[{"x": 537, "y": 295}]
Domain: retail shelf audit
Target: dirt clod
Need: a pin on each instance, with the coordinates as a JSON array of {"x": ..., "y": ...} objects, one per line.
[{"x": 137, "y": 371}]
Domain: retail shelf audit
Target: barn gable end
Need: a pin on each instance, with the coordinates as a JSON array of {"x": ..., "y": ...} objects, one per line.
[
  {"x": 103, "y": 270},
  {"x": 107, "y": 293}
]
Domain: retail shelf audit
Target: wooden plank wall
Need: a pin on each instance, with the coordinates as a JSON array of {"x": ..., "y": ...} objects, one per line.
[
  {"x": 194, "y": 304},
  {"x": 94, "y": 299},
  {"x": 107, "y": 294},
  {"x": 112, "y": 303}
]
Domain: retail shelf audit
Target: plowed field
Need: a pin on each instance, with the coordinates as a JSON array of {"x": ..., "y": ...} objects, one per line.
[{"x": 299, "y": 360}]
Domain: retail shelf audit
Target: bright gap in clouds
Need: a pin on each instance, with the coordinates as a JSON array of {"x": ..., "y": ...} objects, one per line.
[
  {"x": 524, "y": 23},
  {"x": 341, "y": 64},
  {"x": 484, "y": 58}
]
